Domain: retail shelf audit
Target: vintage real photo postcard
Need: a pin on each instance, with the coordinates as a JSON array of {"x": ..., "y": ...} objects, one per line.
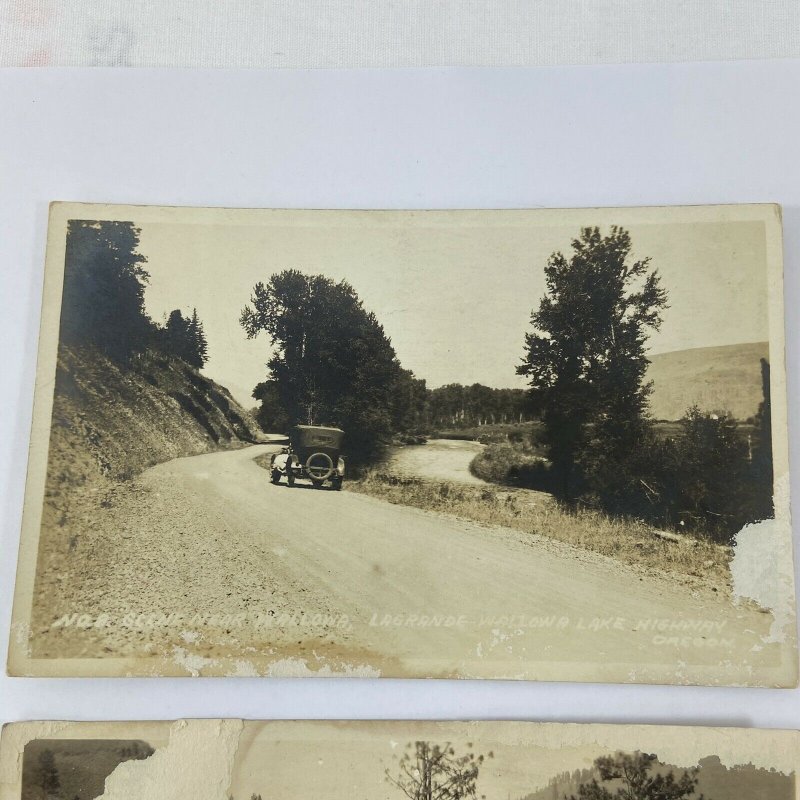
[
  {"x": 250, "y": 760},
  {"x": 535, "y": 444}
]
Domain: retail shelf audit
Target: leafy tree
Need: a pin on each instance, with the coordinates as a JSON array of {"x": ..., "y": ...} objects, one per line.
[
  {"x": 332, "y": 361},
  {"x": 47, "y": 773},
  {"x": 409, "y": 402},
  {"x": 103, "y": 294},
  {"x": 446, "y": 405},
  {"x": 430, "y": 771},
  {"x": 585, "y": 359},
  {"x": 270, "y": 415},
  {"x": 632, "y": 777}
]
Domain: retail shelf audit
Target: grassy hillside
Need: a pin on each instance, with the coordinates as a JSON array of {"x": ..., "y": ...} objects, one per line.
[
  {"x": 82, "y": 765},
  {"x": 115, "y": 421},
  {"x": 112, "y": 422},
  {"x": 724, "y": 378}
]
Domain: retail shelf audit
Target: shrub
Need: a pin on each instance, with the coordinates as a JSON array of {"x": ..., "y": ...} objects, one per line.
[
  {"x": 512, "y": 465},
  {"x": 698, "y": 478}
]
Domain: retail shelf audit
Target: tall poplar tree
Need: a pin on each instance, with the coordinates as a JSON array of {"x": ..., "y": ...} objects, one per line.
[{"x": 585, "y": 359}]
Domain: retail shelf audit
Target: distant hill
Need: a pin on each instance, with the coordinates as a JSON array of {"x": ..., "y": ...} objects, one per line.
[
  {"x": 716, "y": 782},
  {"x": 726, "y": 378},
  {"x": 82, "y": 765}
]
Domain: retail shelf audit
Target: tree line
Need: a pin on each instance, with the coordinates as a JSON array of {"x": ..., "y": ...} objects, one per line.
[
  {"x": 458, "y": 406},
  {"x": 420, "y": 410},
  {"x": 103, "y": 298},
  {"x": 585, "y": 359}
]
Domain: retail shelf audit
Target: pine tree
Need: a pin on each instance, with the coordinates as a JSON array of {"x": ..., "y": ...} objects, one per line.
[
  {"x": 102, "y": 301},
  {"x": 184, "y": 338},
  {"x": 199, "y": 343},
  {"x": 430, "y": 771},
  {"x": 633, "y": 778}
]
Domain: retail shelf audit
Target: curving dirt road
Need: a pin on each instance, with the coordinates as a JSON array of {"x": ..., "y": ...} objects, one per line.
[{"x": 204, "y": 560}]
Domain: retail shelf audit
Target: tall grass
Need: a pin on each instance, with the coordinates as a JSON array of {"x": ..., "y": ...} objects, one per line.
[{"x": 631, "y": 541}]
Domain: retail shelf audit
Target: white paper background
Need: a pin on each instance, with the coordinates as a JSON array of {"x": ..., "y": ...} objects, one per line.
[
  {"x": 389, "y": 33},
  {"x": 705, "y": 133}
]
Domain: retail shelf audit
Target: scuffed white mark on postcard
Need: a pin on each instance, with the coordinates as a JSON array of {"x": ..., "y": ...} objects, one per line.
[
  {"x": 243, "y": 669},
  {"x": 191, "y": 662},
  {"x": 21, "y": 631},
  {"x": 762, "y": 566},
  {"x": 298, "y": 668},
  {"x": 197, "y": 763}
]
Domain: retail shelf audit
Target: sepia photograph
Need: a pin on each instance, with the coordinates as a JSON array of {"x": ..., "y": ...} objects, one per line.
[
  {"x": 523, "y": 444},
  {"x": 250, "y": 760}
]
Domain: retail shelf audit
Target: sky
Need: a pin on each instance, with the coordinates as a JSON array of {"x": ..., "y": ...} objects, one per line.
[{"x": 453, "y": 290}]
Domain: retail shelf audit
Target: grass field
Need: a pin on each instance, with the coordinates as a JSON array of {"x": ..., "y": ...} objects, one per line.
[{"x": 694, "y": 561}]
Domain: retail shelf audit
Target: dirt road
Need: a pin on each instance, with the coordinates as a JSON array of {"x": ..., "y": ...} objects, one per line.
[{"x": 204, "y": 559}]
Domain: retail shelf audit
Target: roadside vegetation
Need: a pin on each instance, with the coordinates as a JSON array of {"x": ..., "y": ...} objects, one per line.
[
  {"x": 703, "y": 473},
  {"x": 606, "y": 476},
  {"x": 693, "y": 558},
  {"x": 585, "y": 359}
]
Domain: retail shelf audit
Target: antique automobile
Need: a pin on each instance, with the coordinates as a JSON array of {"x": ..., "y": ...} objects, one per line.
[{"x": 313, "y": 453}]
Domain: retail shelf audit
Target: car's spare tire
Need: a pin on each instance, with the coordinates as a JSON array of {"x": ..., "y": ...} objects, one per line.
[{"x": 319, "y": 466}]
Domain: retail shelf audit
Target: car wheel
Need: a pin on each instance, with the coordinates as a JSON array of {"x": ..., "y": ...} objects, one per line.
[
  {"x": 317, "y": 484},
  {"x": 276, "y": 476},
  {"x": 319, "y": 467}
]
